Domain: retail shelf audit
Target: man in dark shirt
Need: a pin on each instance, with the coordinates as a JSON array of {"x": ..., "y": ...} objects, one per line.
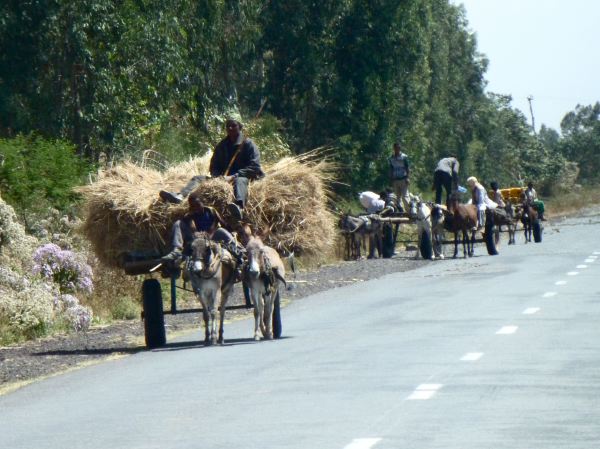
[
  {"x": 199, "y": 218},
  {"x": 237, "y": 159}
]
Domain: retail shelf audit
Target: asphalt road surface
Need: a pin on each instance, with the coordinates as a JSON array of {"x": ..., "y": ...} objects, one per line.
[{"x": 488, "y": 352}]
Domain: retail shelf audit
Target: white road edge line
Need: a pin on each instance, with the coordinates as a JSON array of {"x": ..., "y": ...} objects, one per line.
[
  {"x": 505, "y": 330},
  {"x": 531, "y": 310},
  {"x": 471, "y": 356},
  {"x": 362, "y": 443}
]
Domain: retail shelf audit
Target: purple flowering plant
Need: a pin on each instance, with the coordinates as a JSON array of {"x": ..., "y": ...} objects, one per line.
[{"x": 64, "y": 267}]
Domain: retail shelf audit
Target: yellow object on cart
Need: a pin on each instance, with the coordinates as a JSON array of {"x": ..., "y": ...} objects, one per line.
[{"x": 512, "y": 194}]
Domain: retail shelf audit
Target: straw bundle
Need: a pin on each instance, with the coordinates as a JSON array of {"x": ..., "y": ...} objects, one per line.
[{"x": 124, "y": 213}]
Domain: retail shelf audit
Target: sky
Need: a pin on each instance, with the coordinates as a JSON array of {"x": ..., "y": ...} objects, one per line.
[{"x": 546, "y": 49}]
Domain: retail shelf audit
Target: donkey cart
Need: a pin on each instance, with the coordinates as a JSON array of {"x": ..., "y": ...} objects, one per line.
[{"x": 152, "y": 300}]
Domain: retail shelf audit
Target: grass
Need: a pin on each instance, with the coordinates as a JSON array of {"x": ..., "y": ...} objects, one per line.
[{"x": 567, "y": 203}]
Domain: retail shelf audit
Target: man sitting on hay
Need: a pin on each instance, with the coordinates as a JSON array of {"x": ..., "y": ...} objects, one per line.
[
  {"x": 237, "y": 159},
  {"x": 200, "y": 218}
]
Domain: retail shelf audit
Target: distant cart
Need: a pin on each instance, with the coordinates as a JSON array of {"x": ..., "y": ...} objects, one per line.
[
  {"x": 425, "y": 245},
  {"x": 514, "y": 196},
  {"x": 152, "y": 300}
]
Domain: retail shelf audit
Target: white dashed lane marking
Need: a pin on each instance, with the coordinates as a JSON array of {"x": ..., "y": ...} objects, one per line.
[
  {"x": 560, "y": 283},
  {"x": 572, "y": 273},
  {"x": 549, "y": 294},
  {"x": 581, "y": 266},
  {"x": 590, "y": 260},
  {"x": 506, "y": 330},
  {"x": 424, "y": 392},
  {"x": 362, "y": 443},
  {"x": 531, "y": 310},
  {"x": 471, "y": 356}
]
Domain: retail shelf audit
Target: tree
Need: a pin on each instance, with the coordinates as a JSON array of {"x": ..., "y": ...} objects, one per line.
[{"x": 581, "y": 140}]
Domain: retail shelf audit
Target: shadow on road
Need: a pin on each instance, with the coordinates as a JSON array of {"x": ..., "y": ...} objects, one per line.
[{"x": 178, "y": 346}]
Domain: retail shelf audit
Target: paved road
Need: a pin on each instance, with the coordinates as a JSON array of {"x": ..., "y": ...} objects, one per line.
[{"x": 489, "y": 352}]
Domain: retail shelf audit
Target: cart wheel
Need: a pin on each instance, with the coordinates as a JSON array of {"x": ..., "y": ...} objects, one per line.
[
  {"x": 537, "y": 231},
  {"x": 387, "y": 242},
  {"x": 154, "y": 319},
  {"x": 425, "y": 246},
  {"x": 277, "y": 318},
  {"x": 490, "y": 234}
]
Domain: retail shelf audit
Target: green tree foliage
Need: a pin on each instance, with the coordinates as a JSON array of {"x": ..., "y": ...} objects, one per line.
[
  {"x": 581, "y": 140},
  {"x": 116, "y": 78},
  {"x": 505, "y": 150},
  {"x": 37, "y": 173}
]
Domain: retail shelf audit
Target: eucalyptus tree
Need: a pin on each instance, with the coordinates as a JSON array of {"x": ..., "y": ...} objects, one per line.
[{"x": 581, "y": 140}]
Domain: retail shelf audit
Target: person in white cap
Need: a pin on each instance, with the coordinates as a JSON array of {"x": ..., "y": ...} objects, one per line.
[
  {"x": 480, "y": 198},
  {"x": 237, "y": 159}
]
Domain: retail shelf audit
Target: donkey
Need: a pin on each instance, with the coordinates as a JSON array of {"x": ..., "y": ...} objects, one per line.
[
  {"x": 529, "y": 217},
  {"x": 265, "y": 274},
  {"x": 360, "y": 229},
  {"x": 437, "y": 229},
  {"x": 211, "y": 269},
  {"x": 462, "y": 218},
  {"x": 505, "y": 216}
]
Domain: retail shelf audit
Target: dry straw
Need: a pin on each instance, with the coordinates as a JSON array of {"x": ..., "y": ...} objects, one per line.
[{"x": 124, "y": 213}]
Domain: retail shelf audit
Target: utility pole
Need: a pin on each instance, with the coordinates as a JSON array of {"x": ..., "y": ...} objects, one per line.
[{"x": 530, "y": 99}]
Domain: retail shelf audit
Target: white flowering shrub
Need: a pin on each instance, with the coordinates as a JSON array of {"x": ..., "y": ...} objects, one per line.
[
  {"x": 77, "y": 316},
  {"x": 26, "y": 307},
  {"x": 37, "y": 286},
  {"x": 71, "y": 274},
  {"x": 16, "y": 247}
]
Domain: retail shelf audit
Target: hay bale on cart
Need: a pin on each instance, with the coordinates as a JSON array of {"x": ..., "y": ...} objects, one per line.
[{"x": 124, "y": 215}]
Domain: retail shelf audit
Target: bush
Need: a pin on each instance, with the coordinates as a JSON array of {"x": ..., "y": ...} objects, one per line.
[
  {"x": 26, "y": 307},
  {"x": 37, "y": 173}
]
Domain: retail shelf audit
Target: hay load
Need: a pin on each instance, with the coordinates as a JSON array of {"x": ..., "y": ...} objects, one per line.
[{"x": 125, "y": 215}]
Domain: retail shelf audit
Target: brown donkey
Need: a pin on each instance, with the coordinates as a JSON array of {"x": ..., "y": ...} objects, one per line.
[{"x": 265, "y": 274}]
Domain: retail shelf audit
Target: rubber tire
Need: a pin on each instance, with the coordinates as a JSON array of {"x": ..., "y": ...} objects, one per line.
[
  {"x": 425, "y": 246},
  {"x": 154, "y": 318},
  {"x": 490, "y": 232},
  {"x": 537, "y": 231},
  {"x": 387, "y": 242},
  {"x": 277, "y": 328}
]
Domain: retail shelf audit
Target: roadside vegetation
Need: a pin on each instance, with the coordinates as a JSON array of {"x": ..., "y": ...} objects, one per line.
[{"x": 82, "y": 89}]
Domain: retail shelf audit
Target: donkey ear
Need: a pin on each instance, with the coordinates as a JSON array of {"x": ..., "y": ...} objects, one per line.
[{"x": 261, "y": 233}]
